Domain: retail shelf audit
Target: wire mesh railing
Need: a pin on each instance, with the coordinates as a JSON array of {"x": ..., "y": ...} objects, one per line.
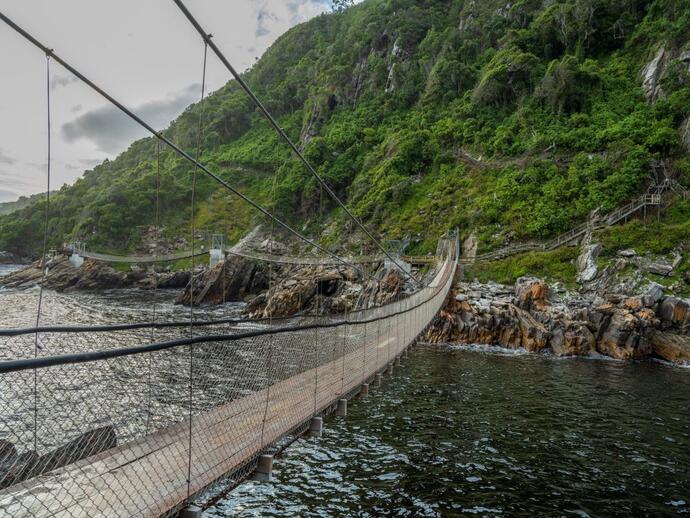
[{"x": 136, "y": 421}]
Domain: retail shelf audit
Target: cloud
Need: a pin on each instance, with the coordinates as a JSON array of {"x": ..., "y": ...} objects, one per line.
[
  {"x": 5, "y": 158},
  {"x": 7, "y": 195},
  {"x": 112, "y": 131},
  {"x": 263, "y": 21},
  {"x": 76, "y": 108},
  {"x": 271, "y": 14},
  {"x": 13, "y": 185},
  {"x": 58, "y": 80},
  {"x": 41, "y": 166},
  {"x": 301, "y": 10}
]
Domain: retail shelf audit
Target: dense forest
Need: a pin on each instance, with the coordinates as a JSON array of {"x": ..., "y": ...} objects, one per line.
[{"x": 512, "y": 119}]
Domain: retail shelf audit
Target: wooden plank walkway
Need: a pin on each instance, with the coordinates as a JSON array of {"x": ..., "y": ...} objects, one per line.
[{"x": 148, "y": 476}]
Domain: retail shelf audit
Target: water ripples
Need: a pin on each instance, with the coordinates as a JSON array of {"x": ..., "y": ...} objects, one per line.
[{"x": 461, "y": 432}]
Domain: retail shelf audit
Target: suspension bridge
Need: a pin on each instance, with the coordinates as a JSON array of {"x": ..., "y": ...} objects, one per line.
[
  {"x": 249, "y": 389},
  {"x": 143, "y": 419}
]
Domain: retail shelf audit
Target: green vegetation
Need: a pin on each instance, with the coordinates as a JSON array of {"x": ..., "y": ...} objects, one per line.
[
  {"x": 655, "y": 237},
  {"x": 389, "y": 99},
  {"x": 556, "y": 265}
]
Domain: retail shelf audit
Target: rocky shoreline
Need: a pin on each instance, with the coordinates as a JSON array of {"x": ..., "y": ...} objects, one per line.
[
  {"x": 533, "y": 317},
  {"x": 62, "y": 275},
  {"x": 529, "y": 315},
  {"x": 275, "y": 290}
]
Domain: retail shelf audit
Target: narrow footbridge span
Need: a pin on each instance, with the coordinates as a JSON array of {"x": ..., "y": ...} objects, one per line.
[
  {"x": 181, "y": 408},
  {"x": 228, "y": 252}
]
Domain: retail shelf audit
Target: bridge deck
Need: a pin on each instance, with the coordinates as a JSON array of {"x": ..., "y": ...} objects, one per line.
[{"x": 128, "y": 480}]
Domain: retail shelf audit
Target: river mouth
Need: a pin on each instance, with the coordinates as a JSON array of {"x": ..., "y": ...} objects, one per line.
[{"x": 466, "y": 432}]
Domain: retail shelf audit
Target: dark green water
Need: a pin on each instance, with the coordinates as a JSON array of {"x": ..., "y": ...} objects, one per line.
[{"x": 460, "y": 432}]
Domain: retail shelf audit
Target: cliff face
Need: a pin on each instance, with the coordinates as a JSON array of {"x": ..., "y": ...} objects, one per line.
[{"x": 515, "y": 119}]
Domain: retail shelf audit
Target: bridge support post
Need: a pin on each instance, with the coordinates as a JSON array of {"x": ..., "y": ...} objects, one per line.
[
  {"x": 377, "y": 379},
  {"x": 341, "y": 409},
  {"x": 364, "y": 391},
  {"x": 405, "y": 354},
  {"x": 191, "y": 512},
  {"x": 315, "y": 427},
  {"x": 390, "y": 369},
  {"x": 264, "y": 468},
  {"x": 398, "y": 361}
]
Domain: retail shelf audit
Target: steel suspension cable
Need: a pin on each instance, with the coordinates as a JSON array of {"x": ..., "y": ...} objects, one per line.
[
  {"x": 155, "y": 277},
  {"x": 269, "y": 369},
  {"x": 159, "y": 135},
  {"x": 283, "y": 135},
  {"x": 45, "y": 249},
  {"x": 191, "y": 274}
]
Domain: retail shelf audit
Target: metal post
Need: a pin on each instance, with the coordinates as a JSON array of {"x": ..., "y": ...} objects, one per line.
[
  {"x": 364, "y": 355},
  {"x": 341, "y": 409},
  {"x": 378, "y": 343},
  {"x": 342, "y": 372},
  {"x": 264, "y": 468},
  {"x": 191, "y": 512},
  {"x": 316, "y": 341},
  {"x": 315, "y": 427}
]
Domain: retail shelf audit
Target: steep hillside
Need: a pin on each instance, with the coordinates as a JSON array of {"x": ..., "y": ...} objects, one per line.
[
  {"x": 7, "y": 207},
  {"x": 395, "y": 102}
]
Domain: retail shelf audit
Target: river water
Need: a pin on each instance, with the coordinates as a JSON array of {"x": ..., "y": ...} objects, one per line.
[
  {"x": 459, "y": 431},
  {"x": 463, "y": 432}
]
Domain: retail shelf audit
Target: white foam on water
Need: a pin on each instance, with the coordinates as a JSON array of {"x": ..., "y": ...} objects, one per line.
[{"x": 548, "y": 353}]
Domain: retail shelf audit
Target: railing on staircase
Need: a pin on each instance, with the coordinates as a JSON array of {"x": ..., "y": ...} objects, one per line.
[{"x": 652, "y": 198}]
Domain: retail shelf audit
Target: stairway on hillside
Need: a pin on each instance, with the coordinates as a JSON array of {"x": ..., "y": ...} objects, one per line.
[{"x": 651, "y": 198}]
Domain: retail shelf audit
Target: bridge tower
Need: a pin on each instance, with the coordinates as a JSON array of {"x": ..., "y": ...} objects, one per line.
[{"x": 217, "y": 251}]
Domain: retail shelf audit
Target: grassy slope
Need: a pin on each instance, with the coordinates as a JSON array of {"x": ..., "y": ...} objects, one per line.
[{"x": 654, "y": 238}]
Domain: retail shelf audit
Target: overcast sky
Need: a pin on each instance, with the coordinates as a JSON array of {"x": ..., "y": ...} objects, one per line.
[{"x": 143, "y": 52}]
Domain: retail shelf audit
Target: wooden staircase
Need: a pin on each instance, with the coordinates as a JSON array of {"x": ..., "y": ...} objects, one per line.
[{"x": 652, "y": 198}]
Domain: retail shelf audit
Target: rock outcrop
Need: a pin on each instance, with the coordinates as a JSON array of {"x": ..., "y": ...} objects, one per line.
[
  {"x": 15, "y": 467},
  {"x": 652, "y": 73},
  {"x": 308, "y": 290},
  {"x": 674, "y": 313},
  {"x": 10, "y": 258},
  {"x": 670, "y": 346},
  {"x": 387, "y": 284},
  {"x": 622, "y": 327},
  {"x": 586, "y": 263},
  {"x": 234, "y": 280},
  {"x": 62, "y": 275}
]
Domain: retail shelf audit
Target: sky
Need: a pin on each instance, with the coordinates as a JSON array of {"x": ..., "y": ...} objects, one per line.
[{"x": 143, "y": 52}]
